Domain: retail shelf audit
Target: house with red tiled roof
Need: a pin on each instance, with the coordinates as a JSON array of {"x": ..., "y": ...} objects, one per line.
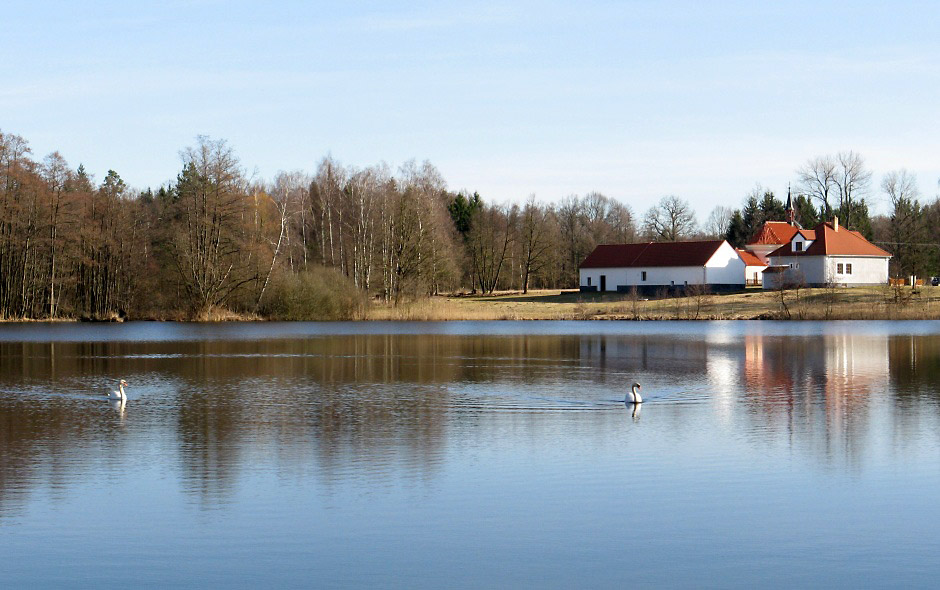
[
  {"x": 827, "y": 254},
  {"x": 753, "y": 267},
  {"x": 653, "y": 266}
]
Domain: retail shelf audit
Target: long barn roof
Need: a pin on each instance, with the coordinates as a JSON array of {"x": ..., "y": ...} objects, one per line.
[{"x": 650, "y": 254}]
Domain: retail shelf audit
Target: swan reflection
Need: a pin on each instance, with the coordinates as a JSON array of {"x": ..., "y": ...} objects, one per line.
[{"x": 118, "y": 405}]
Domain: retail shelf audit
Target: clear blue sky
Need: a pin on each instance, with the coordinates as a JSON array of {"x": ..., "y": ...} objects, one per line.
[{"x": 633, "y": 99}]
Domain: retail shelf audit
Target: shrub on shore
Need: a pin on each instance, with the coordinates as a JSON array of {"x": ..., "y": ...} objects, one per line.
[{"x": 319, "y": 294}]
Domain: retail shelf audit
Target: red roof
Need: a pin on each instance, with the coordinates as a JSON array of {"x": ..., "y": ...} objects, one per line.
[
  {"x": 774, "y": 232},
  {"x": 750, "y": 259},
  {"x": 652, "y": 254},
  {"x": 829, "y": 242}
]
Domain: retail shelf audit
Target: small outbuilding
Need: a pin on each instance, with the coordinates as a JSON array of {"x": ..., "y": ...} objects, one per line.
[
  {"x": 753, "y": 268},
  {"x": 650, "y": 267}
]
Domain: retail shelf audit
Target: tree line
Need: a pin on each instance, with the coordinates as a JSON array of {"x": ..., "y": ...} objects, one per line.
[
  {"x": 215, "y": 239},
  {"x": 322, "y": 244}
]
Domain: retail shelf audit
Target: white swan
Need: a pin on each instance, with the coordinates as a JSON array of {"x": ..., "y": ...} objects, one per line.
[
  {"x": 118, "y": 394},
  {"x": 633, "y": 396}
]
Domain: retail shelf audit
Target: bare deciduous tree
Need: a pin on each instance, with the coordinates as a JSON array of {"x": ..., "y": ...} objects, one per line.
[
  {"x": 716, "y": 227},
  {"x": 668, "y": 221},
  {"x": 852, "y": 181},
  {"x": 490, "y": 239},
  {"x": 57, "y": 175},
  {"x": 212, "y": 252},
  {"x": 818, "y": 181},
  {"x": 906, "y": 228},
  {"x": 534, "y": 240}
]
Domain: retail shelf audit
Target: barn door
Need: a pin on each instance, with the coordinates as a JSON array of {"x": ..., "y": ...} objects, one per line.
[{"x": 603, "y": 282}]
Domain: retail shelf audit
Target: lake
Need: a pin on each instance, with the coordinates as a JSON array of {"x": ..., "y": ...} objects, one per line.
[{"x": 470, "y": 454}]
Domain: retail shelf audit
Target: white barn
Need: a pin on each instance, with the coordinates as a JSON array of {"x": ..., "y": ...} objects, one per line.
[
  {"x": 827, "y": 254},
  {"x": 653, "y": 266}
]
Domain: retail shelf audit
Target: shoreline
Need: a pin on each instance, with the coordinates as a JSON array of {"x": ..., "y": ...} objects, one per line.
[{"x": 754, "y": 304}]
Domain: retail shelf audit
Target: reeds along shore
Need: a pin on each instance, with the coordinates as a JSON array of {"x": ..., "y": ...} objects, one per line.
[
  {"x": 865, "y": 303},
  {"x": 793, "y": 304}
]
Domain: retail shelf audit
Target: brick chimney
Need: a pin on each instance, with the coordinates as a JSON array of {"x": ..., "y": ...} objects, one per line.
[{"x": 835, "y": 222}]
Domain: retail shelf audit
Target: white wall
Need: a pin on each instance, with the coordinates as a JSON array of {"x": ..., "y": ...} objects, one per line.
[
  {"x": 804, "y": 269},
  {"x": 655, "y": 276},
  {"x": 725, "y": 267},
  {"x": 817, "y": 270},
  {"x": 865, "y": 270}
]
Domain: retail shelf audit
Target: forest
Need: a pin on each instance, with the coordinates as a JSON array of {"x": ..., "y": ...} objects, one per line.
[{"x": 326, "y": 244}]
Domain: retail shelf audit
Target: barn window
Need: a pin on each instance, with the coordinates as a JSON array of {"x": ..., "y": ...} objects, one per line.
[
  {"x": 848, "y": 269},
  {"x": 839, "y": 268},
  {"x": 643, "y": 275},
  {"x": 589, "y": 281}
]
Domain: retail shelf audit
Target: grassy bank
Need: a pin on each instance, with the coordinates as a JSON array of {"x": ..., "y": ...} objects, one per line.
[
  {"x": 804, "y": 304},
  {"x": 807, "y": 304}
]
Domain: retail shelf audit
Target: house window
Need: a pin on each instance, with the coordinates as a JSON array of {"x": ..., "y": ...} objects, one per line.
[
  {"x": 848, "y": 269},
  {"x": 589, "y": 281},
  {"x": 798, "y": 246},
  {"x": 643, "y": 275},
  {"x": 839, "y": 268}
]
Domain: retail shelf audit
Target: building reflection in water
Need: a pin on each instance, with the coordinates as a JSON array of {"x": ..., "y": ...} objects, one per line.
[{"x": 819, "y": 390}]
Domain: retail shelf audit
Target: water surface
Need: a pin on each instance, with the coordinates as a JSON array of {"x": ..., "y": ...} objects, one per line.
[{"x": 470, "y": 454}]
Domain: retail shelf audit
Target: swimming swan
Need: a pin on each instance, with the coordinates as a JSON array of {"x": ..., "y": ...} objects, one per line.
[
  {"x": 118, "y": 394},
  {"x": 633, "y": 396}
]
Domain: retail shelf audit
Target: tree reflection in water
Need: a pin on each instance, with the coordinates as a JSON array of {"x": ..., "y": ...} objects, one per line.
[{"x": 386, "y": 407}]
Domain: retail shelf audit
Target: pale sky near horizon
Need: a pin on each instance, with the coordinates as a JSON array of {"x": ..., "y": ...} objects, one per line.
[{"x": 633, "y": 99}]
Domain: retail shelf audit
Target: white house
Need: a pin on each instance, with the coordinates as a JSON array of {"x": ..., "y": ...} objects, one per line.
[
  {"x": 653, "y": 266},
  {"x": 827, "y": 254}
]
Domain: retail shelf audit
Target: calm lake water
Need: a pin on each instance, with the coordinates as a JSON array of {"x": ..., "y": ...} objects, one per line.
[{"x": 470, "y": 454}]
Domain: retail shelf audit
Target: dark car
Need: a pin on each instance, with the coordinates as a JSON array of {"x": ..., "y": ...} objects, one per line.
[{"x": 935, "y": 281}]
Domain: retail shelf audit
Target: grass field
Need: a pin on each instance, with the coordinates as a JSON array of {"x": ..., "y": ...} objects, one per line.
[{"x": 809, "y": 304}]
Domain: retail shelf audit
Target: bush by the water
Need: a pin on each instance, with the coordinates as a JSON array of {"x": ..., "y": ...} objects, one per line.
[{"x": 320, "y": 294}]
